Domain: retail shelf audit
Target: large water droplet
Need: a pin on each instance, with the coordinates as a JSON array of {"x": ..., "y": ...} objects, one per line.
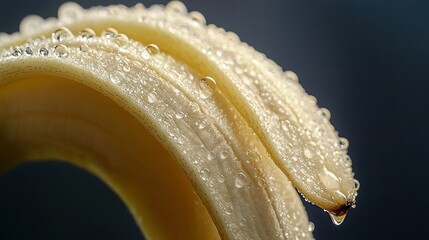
[
  {"x": 343, "y": 143},
  {"x": 87, "y": 33},
  {"x": 110, "y": 33},
  {"x": 224, "y": 154},
  {"x": 62, "y": 34},
  {"x": 211, "y": 155},
  {"x": 121, "y": 39},
  {"x": 29, "y": 51},
  {"x": 17, "y": 52},
  {"x": 337, "y": 219},
  {"x": 176, "y": 6},
  {"x": 61, "y": 51},
  {"x": 357, "y": 184},
  {"x": 197, "y": 17},
  {"x": 206, "y": 86},
  {"x": 325, "y": 113},
  {"x": 240, "y": 180},
  {"x": 152, "y": 49}
]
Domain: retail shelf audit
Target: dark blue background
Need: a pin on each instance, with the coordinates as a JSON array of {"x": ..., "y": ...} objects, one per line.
[{"x": 366, "y": 61}]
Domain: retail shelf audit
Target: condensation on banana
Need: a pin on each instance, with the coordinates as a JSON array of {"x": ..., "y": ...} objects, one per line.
[{"x": 200, "y": 135}]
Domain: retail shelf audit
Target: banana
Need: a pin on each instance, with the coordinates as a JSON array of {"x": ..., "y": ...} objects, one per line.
[{"x": 199, "y": 134}]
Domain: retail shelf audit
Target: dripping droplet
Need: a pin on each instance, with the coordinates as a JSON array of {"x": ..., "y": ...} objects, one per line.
[
  {"x": 109, "y": 33},
  {"x": 61, "y": 51},
  {"x": 240, "y": 180},
  {"x": 43, "y": 51},
  {"x": 357, "y": 184},
  {"x": 337, "y": 219},
  {"x": 311, "y": 226},
  {"x": 152, "y": 97},
  {"x": 153, "y": 49},
  {"x": 87, "y": 33}
]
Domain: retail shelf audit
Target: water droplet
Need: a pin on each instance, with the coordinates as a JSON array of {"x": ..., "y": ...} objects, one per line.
[
  {"x": 220, "y": 178},
  {"x": 180, "y": 115},
  {"x": 84, "y": 48},
  {"x": 311, "y": 226},
  {"x": 116, "y": 77},
  {"x": 211, "y": 155},
  {"x": 152, "y": 97},
  {"x": 87, "y": 33},
  {"x": 309, "y": 150},
  {"x": 357, "y": 184},
  {"x": 62, "y": 34},
  {"x": 61, "y": 51},
  {"x": 43, "y": 51},
  {"x": 240, "y": 180},
  {"x": 17, "y": 52},
  {"x": 201, "y": 124},
  {"x": 224, "y": 154},
  {"x": 205, "y": 174},
  {"x": 343, "y": 143},
  {"x": 337, "y": 219},
  {"x": 153, "y": 49},
  {"x": 206, "y": 86},
  {"x": 291, "y": 76},
  {"x": 69, "y": 11},
  {"x": 28, "y": 51},
  {"x": 176, "y": 6},
  {"x": 109, "y": 33},
  {"x": 125, "y": 66},
  {"x": 325, "y": 113},
  {"x": 121, "y": 39},
  {"x": 197, "y": 17},
  {"x": 295, "y": 157}
]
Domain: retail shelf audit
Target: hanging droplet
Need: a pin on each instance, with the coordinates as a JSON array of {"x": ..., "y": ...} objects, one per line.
[
  {"x": 197, "y": 17},
  {"x": 61, "y": 51},
  {"x": 44, "y": 51},
  {"x": 337, "y": 219},
  {"x": 62, "y": 34},
  {"x": 291, "y": 76},
  {"x": 153, "y": 49},
  {"x": 121, "y": 40},
  {"x": 357, "y": 184},
  {"x": 343, "y": 143},
  {"x": 109, "y": 33},
  {"x": 152, "y": 97},
  {"x": 325, "y": 113},
  {"x": 240, "y": 180},
  {"x": 28, "y": 51},
  {"x": 311, "y": 226},
  {"x": 87, "y": 33},
  {"x": 17, "y": 51}
]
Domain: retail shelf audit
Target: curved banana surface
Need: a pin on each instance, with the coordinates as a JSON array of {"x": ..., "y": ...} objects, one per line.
[{"x": 199, "y": 134}]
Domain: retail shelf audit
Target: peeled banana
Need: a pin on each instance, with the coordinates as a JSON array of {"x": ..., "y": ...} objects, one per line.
[{"x": 200, "y": 135}]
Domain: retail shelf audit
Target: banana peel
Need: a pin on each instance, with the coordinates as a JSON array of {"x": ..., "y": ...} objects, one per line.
[{"x": 200, "y": 135}]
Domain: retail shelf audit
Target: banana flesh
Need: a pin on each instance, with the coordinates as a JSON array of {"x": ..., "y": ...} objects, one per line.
[{"x": 201, "y": 136}]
